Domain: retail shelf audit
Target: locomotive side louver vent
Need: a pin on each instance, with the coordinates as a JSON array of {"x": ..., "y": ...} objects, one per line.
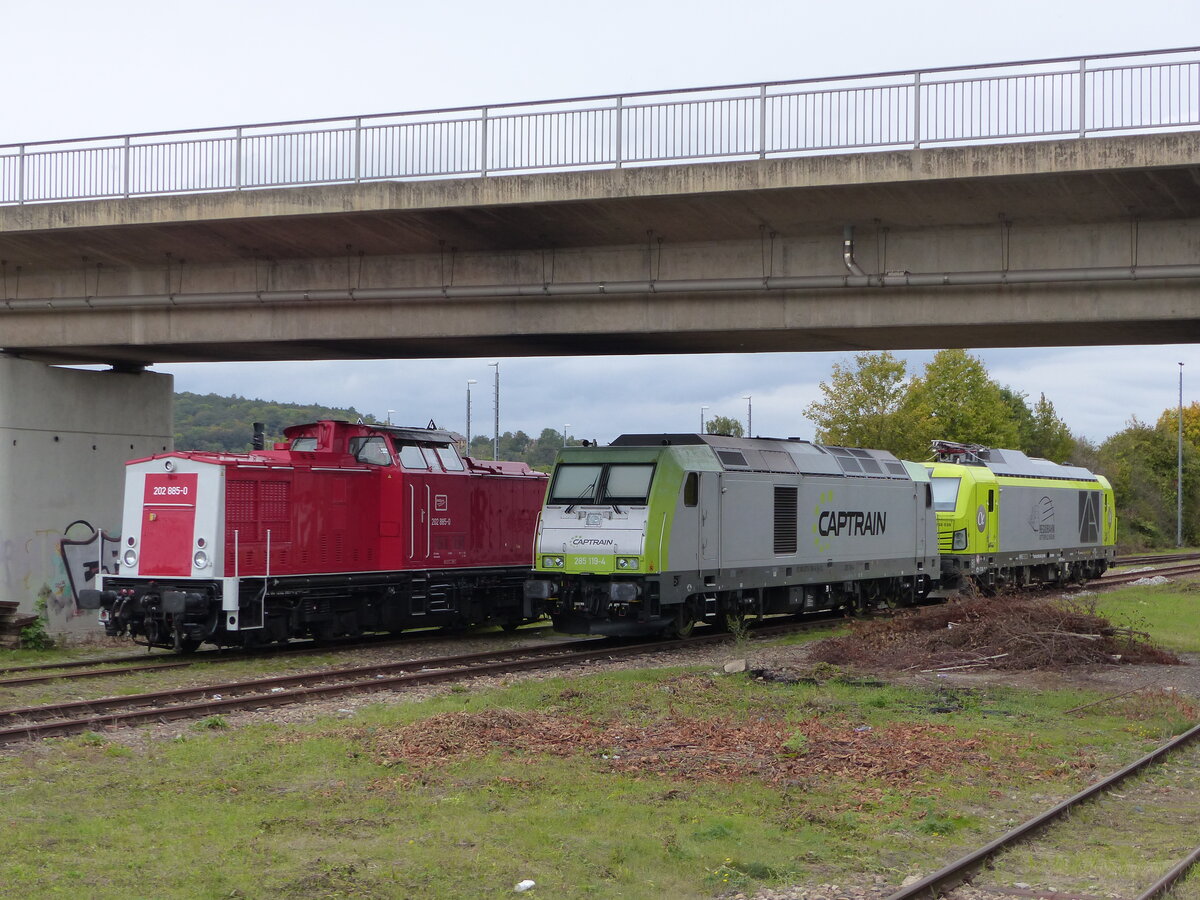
[
  {"x": 786, "y": 515},
  {"x": 239, "y": 502},
  {"x": 274, "y": 504}
]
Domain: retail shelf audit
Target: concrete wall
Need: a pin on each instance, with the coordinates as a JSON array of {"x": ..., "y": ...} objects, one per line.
[{"x": 65, "y": 435}]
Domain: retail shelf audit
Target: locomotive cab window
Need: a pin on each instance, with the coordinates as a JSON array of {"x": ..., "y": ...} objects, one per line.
[
  {"x": 450, "y": 458},
  {"x": 625, "y": 483},
  {"x": 371, "y": 450},
  {"x": 304, "y": 443},
  {"x": 411, "y": 457},
  {"x": 945, "y": 493},
  {"x": 691, "y": 489},
  {"x": 575, "y": 484}
]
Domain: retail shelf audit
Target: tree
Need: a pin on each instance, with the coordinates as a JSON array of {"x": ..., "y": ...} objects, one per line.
[
  {"x": 863, "y": 406},
  {"x": 724, "y": 425},
  {"x": 1049, "y": 436},
  {"x": 1139, "y": 462},
  {"x": 1168, "y": 422},
  {"x": 1022, "y": 416},
  {"x": 545, "y": 448},
  {"x": 955, "y": 400}
]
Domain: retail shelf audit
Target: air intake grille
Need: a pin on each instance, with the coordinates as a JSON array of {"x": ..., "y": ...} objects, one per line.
[
  {"x": 945, "y": 538},
  {"x": 786, "y": 514}
]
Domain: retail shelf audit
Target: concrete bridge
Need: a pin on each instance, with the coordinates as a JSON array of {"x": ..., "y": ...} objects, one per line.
[
  {"x": 1025, "y": 244},
  {"x": 934, "y": 229}
]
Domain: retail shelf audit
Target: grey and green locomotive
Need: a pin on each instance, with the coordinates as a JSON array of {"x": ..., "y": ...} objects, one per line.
[{"x": 655, "y": 533}]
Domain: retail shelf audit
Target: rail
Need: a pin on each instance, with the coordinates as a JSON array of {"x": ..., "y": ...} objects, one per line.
[{"x": 992, "y": 103}]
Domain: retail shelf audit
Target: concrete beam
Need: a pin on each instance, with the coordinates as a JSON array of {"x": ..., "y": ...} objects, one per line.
[{"x": 1098, "y": 202}]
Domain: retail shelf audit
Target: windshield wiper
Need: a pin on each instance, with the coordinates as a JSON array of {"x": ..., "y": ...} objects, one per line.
[{"x": 590, "y": 490}]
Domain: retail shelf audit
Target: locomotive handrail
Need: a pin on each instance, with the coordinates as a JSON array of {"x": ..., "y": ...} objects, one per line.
[{"x": 1141, "y": 91}]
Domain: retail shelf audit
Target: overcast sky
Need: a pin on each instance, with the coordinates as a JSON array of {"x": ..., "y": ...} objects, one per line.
[{"x": 78, "y": 69}]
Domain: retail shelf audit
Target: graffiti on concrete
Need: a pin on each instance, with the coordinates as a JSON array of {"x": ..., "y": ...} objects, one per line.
[{"x": 85, "y": 557}]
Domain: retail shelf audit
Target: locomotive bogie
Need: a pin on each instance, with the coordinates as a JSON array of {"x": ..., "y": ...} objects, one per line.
[{"x": 342, "y": 529}]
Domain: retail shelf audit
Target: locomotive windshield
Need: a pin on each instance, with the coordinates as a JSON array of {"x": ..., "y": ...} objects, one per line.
[
  {"x": 601, "y": 483},
  {"x": 945, "y": 493},
  {"x": 575, "y": 483},
  {"x": 627, "y": 483}
]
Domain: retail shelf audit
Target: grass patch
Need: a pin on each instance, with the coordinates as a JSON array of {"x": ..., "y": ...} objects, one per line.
[
  {"x": 657, "y": 783},
  {"x": 1167, "y": 612}
]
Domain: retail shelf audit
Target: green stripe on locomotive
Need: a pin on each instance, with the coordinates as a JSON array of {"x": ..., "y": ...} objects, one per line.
[{"x": 671, "y": 465}]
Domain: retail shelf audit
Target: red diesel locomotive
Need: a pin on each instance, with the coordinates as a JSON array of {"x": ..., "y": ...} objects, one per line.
[{"x": 340, "y": 529}]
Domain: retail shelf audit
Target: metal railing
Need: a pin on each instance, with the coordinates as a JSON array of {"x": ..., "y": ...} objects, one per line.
[{"x": 1080, "y": 96}]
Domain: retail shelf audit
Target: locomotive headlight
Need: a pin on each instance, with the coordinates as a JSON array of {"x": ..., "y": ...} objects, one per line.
[
  {"x": 200, "y": 560},
  {"x": 960, "y": 540},
  {"x": 129, "y": 558},
  {"x": 627, "y": 562},
  {"x": 552, "y": 562}
]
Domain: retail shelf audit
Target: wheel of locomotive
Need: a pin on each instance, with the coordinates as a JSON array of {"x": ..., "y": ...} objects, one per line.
[
  {"x": 321, "y": 631},
  {"x": 189, "y": 645},
  {"x": 869, "y": 596},
  {"x": 511, "y": 625},
  {"x": 683, "y": 624}
]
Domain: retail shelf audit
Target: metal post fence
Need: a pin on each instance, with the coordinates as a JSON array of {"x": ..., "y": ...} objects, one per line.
[{"x": 1038, "y": 99}]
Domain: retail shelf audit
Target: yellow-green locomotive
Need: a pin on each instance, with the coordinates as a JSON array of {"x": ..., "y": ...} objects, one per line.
[
  {"x": 1006, "y": 519},
  {"x": 655, "y": 533}
]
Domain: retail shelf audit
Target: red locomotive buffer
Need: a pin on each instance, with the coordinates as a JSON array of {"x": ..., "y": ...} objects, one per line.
[{"x": 339, "y": 530}]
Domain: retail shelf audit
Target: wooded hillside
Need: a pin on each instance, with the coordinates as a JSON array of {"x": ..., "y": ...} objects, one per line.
[{"x": 213, "y": 422}]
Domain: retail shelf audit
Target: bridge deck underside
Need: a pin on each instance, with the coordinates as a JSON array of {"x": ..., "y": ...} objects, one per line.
[{"x": 1070, "y": 203}]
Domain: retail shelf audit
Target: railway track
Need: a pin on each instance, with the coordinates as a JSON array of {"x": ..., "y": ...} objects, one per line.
[
  {"x": 1153, "y": 559},
  {"x": 123, "y": 665},
  {"x": 970, "y": 869},
  {"x": 74, "y": 717},
  {"x": 1123, "y": 578}
]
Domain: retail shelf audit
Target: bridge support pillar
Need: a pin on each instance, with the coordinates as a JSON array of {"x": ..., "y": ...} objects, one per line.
[{"x": 65, "y": 435}]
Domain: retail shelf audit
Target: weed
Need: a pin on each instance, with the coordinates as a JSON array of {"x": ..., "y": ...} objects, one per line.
[
  {"x": 715, "y": 831},
  {"x": 797, "y": 744},
  {"x": 33, "y": 635},
  {"x": 739, "y": 630},
  {"x": 940, "y": 824},
  {"x": 213, "y": 723}
]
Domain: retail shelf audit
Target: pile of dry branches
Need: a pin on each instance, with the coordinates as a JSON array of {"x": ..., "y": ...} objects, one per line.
[{"x": 1001, "y": 632}]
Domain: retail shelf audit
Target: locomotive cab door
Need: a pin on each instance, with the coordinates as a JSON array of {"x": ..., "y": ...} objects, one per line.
[
  {"x": 418, "y": 491},
  {"x": 710, "y": 522}
]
